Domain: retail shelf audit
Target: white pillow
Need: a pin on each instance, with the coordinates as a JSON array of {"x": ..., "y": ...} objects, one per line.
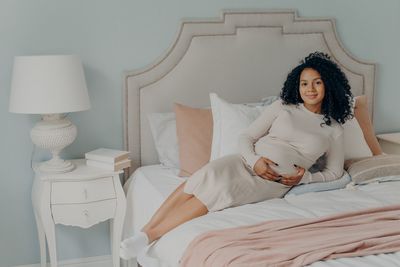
[
  {"x": 355, "y": 145},
  {"x": 163, "y": 130},
  {"x": 229, "y": 120}
]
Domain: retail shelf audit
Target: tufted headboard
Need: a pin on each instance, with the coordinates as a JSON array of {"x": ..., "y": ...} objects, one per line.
[{"x": 243, "y": 56}]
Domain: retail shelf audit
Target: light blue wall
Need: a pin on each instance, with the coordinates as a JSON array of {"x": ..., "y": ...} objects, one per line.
[{"x": 118, "y": 35}]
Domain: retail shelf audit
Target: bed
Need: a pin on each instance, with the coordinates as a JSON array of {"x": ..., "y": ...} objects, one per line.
[{"x": 235, "y": 56}]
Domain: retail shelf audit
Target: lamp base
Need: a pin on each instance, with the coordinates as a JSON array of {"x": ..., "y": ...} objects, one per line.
[
  {"x": 56, "y": 166},
  {"x": 54, "y": 132}
]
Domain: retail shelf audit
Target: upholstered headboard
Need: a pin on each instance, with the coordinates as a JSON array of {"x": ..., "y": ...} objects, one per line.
[{"x": 242, "y": 56}]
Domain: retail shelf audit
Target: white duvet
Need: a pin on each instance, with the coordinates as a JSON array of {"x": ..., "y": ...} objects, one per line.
[{"x": 150, "y": 185}]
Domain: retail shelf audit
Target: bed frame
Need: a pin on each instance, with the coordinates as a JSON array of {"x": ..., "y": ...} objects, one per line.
[{"x": 243, "y": 56}]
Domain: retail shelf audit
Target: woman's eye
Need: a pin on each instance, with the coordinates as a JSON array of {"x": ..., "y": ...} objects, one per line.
[{"x": 303, "y": 84}]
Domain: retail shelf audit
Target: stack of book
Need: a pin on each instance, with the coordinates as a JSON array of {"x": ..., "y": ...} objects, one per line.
[{"x": 108, "y": 159}]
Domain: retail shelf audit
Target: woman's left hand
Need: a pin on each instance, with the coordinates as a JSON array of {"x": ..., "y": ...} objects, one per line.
[{"x": 293, "y": 179}]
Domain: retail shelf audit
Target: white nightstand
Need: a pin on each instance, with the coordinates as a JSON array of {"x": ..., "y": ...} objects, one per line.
[
  {"x": 84, "y": 197},
  {"x": 390, "y": 142}
]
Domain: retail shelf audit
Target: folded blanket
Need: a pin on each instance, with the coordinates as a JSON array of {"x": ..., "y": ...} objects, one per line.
[{"x": 298, "y": 242}]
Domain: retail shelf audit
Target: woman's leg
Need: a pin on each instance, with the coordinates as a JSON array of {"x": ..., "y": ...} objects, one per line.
[
  {"x": 177, "y": 198},
  {"x": 190, "y": 209}
]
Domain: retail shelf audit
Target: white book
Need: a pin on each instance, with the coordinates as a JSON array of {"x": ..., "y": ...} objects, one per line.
[
  {"x": 107, "y": 155},
  {"x": 125, "y": 163}
]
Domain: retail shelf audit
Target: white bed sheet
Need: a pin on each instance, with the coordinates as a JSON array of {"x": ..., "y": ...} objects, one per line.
[
  {"x": 149, "y": 186},
  {"x": 146, "y": 190}
]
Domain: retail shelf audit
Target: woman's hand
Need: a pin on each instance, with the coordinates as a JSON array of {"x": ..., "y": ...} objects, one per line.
[
  {"x": 293, "y": 179},
  {"x": 262, "y": 169}
]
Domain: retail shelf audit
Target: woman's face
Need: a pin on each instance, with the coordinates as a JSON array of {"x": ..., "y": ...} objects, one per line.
[{"x": 312, "y": 89}]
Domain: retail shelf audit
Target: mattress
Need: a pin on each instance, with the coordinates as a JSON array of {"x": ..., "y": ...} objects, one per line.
[{"x": 149, "y": 186}]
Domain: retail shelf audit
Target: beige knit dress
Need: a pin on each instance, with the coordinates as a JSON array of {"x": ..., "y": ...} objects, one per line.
[{"x": 287, "y": 135}]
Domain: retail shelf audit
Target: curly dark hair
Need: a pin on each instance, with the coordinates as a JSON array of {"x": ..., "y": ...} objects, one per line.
[{"x": 338, "y": 100}]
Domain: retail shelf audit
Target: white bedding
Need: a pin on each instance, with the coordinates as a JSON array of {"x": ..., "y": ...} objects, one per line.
[{"x": 149, "y": 186}]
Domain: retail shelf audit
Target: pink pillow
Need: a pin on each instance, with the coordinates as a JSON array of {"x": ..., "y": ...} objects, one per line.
[
  {"x": 362, "y": 116},
  {"x": 194, "y": 128}
]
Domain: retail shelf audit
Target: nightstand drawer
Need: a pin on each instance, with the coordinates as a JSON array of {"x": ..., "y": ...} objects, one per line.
[
  {"x": 82, "y": 191},
  {"x": 84, "y": 215}
]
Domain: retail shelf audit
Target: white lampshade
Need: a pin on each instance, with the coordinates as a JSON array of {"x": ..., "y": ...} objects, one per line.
[{"x": 48, "y": 84}]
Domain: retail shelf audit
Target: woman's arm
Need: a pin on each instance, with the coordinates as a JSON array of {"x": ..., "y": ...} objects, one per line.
[
  {"x": 334, "y": 163},
  {"x": 256, "y": 130}
]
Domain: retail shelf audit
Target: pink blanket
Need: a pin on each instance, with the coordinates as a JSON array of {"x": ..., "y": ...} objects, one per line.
[{"x": 298, "y": 242}]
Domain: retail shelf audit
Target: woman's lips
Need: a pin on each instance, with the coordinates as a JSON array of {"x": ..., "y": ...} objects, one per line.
[{"x": 311, "y": 96}]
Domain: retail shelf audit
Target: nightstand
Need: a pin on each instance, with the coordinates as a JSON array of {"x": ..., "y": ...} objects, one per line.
[
  {"x": 390, "y": 142},
  {"x": 83, "y": 197}
]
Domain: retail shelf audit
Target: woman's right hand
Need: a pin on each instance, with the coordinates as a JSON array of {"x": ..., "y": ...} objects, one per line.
[{"x": 262, "y": 168}]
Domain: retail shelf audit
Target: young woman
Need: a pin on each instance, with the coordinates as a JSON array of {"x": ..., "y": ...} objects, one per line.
[{"x": 277, "y": 150}]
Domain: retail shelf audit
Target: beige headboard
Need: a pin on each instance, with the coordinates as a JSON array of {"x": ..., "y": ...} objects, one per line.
[{"x": 242, "y": 56}]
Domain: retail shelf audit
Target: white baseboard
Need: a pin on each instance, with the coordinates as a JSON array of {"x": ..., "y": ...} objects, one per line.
[{"x": 99, "y": 261}]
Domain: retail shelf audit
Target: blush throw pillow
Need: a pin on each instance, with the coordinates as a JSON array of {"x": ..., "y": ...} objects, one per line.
[{"x": 194, "y": 128}]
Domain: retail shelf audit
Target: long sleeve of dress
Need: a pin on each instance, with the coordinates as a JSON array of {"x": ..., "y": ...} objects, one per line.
[
  {"x": 256, "y": 130},
  {"x": 334, "y": 163}
]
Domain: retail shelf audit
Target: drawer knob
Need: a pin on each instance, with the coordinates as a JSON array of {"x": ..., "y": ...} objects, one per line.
[{"x": 85, "y": 193}]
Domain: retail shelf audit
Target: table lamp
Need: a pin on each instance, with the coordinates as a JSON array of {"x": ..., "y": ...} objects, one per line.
[{"x": 50, "y": 85}]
